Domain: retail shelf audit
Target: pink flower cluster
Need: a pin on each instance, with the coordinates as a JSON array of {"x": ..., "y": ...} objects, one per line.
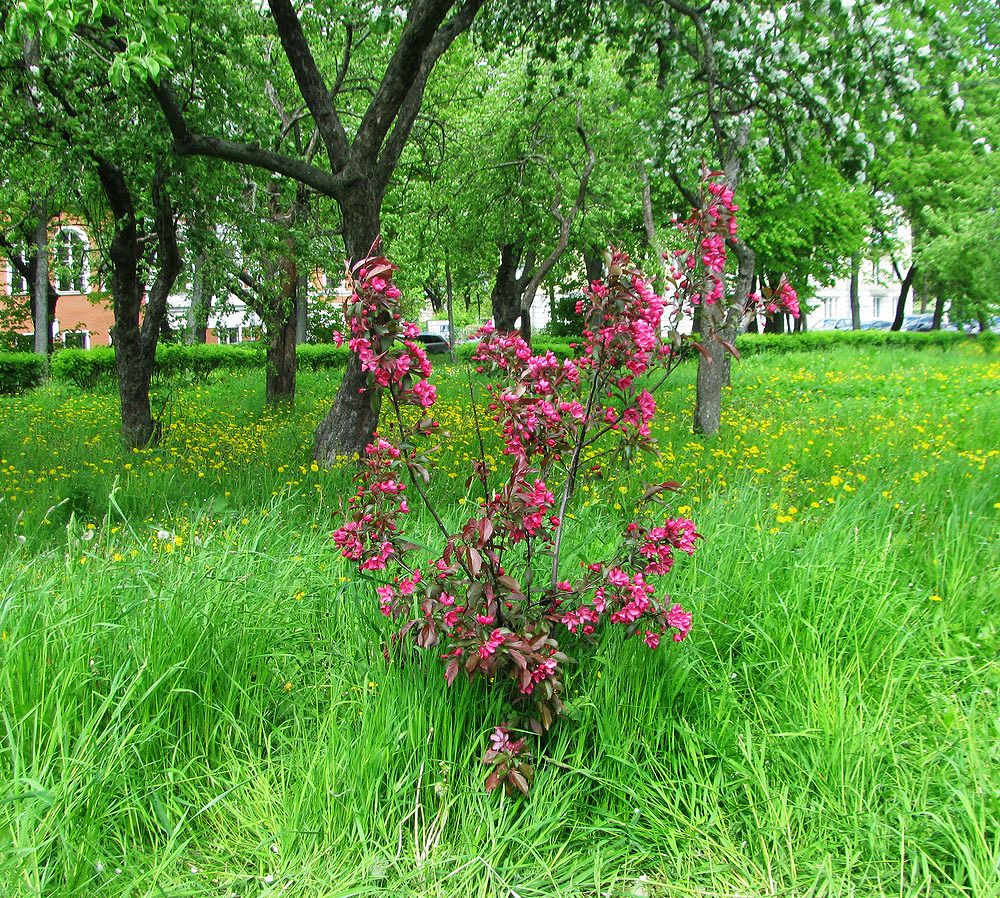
[
  {"x": 699, "y": 275},
  {"x": 622, "y": 323},
  {"x": 384, "y": 343},
  {"x": 625, "y": 592},
  {"x": 367, "y": 537},
  {"x": 782, "y": 299}
]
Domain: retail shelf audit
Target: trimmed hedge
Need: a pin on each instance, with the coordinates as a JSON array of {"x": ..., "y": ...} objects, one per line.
[
  {"x": 86, "y": 368},
  {"x": 20, "y": 371},
  {"x": 751, "y": 344}
]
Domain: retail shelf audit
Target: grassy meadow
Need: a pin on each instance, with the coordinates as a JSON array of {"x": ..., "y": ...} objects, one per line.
[{"x": 194, "y": 699}]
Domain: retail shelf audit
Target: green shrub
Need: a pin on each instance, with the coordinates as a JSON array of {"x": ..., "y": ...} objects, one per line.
[
  {"x": 84, "y": 368},
  {"x": 20, "y": 371},
  {"x": 322, "y": 355}
]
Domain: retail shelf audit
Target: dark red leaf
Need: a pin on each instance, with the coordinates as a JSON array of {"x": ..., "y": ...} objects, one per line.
[{"x": 729, "y": 347}]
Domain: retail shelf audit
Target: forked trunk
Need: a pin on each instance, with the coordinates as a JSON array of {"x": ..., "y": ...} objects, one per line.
[{"x": 904, "y": 292}]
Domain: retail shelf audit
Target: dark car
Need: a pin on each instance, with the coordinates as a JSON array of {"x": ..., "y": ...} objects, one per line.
[{"x": 434, "y": 343}]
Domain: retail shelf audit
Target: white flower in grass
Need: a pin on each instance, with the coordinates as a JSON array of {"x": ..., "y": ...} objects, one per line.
[{"x": 163, "y": 535}]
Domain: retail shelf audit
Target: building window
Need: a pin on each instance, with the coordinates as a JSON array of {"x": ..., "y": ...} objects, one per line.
[
  {"x": 829, "y": 308},
  {"x": 877, "y": 306},
  {"x": 18, "y": 283},
  {"x": 70, "y": 261},
  {"x": 76, "y": 339},
  {"x": 228, "y": 334}
]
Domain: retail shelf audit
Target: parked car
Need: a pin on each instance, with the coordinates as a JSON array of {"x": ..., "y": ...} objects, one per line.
[
  {"x": 918, "y": 323},
  {"x": 876, "y": 325},
  {"x": 434, "y": 343},
  {"x": 833, "y": 324},
  {"x": 974, "y": 327}
]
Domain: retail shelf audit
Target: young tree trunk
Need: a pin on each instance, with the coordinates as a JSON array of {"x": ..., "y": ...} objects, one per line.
[
  {"x": 302, "y": 309},
  {"x": 938, "y": 313},
  {"x": 353, "y": 417},
  {"x": 904, "y": 292},
  {"x": 201, "y": 305},
  {"x": 281, "y": 360},
  {"x": 854, "y": 293},
  {"x": 449, "y": 292},
  {"x": 43, "y": 327}
]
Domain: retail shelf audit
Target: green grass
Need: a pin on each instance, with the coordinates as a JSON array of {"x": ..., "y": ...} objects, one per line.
[{"x": 210, "y": 712}]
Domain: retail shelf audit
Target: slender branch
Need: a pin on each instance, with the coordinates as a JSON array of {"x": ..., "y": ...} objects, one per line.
[
  {"x": 565, "y": 221},
  {"x": 574, "y": 466}
]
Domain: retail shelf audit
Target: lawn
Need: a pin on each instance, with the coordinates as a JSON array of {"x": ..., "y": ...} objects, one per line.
[{"x": 194, "y": 699}]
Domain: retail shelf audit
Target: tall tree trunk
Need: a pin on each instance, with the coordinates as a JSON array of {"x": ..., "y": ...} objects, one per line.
[
  {"x": 135, "y": 342},
  {"x": 855, "y": 298},
  {"x": 527, "y": 299},
  {"x": 281, "y": 360},
  {"x": 904, "y": 292},
  {"x": 353, "y": 417},
  {"x": 43, "y": 328},
  {"x": 506, "y": 296},
  {"x": 938, "y": 313}
]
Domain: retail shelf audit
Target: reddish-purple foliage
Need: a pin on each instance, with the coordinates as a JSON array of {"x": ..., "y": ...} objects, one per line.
[{"x": 495, "y": 601}]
